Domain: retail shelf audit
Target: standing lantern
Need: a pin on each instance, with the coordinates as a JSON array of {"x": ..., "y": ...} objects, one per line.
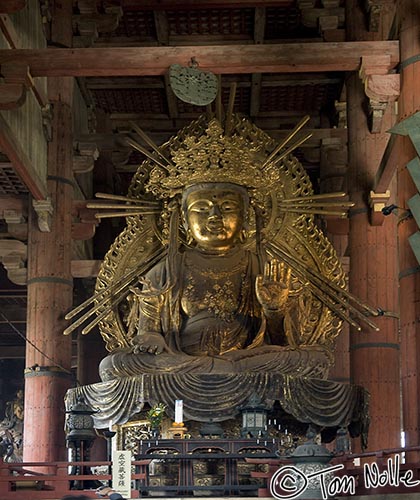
[
  {"x": 254, "y": 418},
  {"x": 80, "y": 434}
]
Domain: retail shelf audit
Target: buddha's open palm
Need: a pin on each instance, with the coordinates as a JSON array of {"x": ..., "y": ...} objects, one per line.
[{"x": 272, "y": 287}]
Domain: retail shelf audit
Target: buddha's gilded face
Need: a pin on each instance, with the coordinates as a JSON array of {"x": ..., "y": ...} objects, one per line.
[{"x": 215, "y": 216}]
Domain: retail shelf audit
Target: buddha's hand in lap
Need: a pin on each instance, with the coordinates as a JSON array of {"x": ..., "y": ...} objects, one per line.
[
  {"x": 152, "y": 343},
  {"x": 272, "y": 287}
]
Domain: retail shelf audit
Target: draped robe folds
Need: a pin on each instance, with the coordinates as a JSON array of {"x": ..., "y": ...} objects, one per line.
[{"x": 212, "y": 323}]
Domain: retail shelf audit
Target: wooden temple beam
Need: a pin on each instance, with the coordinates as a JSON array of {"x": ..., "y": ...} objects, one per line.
[{"x": 129, "y": 61}]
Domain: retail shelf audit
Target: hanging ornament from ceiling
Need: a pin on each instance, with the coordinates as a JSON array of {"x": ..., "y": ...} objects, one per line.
[{"x": 192, "y": 85}]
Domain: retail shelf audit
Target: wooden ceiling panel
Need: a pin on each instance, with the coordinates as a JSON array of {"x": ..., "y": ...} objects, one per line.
[
  {"x": 242, "y": 99},
  {"x": 285, "y": 22},
  {"x": 309, "y": 98},
  {"x": 229, "y": 22},
  {"x": 130, "y": 101},
  {"x": 10, "y": 182},
  {"x": 135, "y": 23}
]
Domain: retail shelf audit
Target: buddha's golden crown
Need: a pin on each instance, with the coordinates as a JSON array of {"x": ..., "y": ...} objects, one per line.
[{"x": 213, "y": 156}]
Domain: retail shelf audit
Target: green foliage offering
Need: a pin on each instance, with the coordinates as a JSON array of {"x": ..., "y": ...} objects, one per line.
[{"x": 155, "y": 414}]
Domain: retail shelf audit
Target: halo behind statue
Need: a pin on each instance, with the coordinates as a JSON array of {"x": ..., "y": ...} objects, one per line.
[{"x": 293, "y": 233}]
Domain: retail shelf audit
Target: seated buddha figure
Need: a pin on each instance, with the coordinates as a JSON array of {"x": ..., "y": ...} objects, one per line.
[
  {"x": 221, "y": 285},
  {"x": 214, "y": 307},
  {"x": 223, "y": 270}
]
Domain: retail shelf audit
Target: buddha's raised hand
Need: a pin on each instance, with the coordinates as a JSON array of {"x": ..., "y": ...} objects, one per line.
[{"x": 272, "y": 287}]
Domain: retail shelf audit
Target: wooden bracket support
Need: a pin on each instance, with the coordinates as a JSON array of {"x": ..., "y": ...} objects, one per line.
[
  {"x": 17, "y": 81},
  {"x": 378, "y": 201},
  {"x": 85, "y": 227},
  {"x": 381, "y": 88},
  {"x": 89, "y": 23},
  {"x": 328, "y": 17},
  {"x": 13, "y": 255},
  {"x": 85, "y": 154},
  {"x": 17, "y": 226}
]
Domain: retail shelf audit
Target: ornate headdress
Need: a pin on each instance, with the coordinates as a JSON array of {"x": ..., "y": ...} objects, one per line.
[{"x": 213, "y": 157}]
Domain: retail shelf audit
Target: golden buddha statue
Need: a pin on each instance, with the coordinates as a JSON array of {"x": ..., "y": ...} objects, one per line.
[
  {"x": 221, "y": 283},
  {"x": 228, "y": 296}
]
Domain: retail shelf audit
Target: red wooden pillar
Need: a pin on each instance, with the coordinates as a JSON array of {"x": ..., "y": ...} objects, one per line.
[
  {"x": 50, "y": 294},
  {"x": 50, "y": 286},
  {"x": 409, "y": 104},
  {"x": 373, "y": 261}
]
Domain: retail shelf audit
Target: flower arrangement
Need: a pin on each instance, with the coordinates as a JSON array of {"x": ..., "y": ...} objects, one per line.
[{"x": 155, "y": 414}]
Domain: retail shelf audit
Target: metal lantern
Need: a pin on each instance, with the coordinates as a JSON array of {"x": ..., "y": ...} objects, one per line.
[
  {"x": 80, "y": 422},
  {"x": 254, "y": 418},
  {"x": 80, "y": 434}
]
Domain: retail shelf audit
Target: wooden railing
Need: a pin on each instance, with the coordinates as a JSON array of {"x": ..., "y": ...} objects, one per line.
[
  {"x": 23, "y": 481},
  {"x": 386, "y": 472}
]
